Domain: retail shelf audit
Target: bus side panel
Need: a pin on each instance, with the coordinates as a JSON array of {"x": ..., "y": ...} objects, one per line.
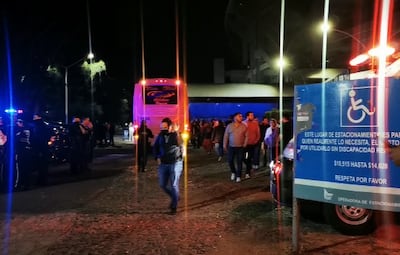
[{"x": 137, "y": 106}]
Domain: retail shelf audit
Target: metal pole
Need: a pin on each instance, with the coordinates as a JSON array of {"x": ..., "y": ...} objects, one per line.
[
  {"x": 66, "y": 94},
  {"x": 91, "y": 93},
  {"x": 91, "y": 62}
]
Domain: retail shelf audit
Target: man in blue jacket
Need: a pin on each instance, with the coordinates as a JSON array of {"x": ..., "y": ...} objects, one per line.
[{"x": 168, "y": 153}]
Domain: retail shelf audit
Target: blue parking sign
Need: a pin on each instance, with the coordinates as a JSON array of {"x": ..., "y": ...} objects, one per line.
[{"x": 342, "y": 130}]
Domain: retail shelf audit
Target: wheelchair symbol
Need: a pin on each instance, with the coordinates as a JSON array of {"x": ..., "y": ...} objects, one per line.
[{"x": 355, "y": 106}]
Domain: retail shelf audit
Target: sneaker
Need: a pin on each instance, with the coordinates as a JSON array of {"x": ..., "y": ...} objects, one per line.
[
  {"x": 255, "y": 167},
  {"x": 238, "y": 179},
  {"x": 219, "y": 158},
  {"x": 247, "y": 176},
  {"x": 232, "y": 176}
]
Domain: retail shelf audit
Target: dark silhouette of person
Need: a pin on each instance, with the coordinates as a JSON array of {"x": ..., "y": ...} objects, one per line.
[
  {"x": 263, "y": 150},
  {"x": 111, "y": 132},
  {"x": 144, "y": 134},
  {"x": 40, "y": 152},
  {"x": 286, "y": 129},
  {"x": 78, "y": 160},
  {"x": 195, "y": 134},
  {"x": 88, "y": 139}
]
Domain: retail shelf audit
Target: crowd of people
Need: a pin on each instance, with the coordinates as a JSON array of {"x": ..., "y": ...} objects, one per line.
[
  {"x": 29, "y": 144},
  {"x": 29, "y": 150},
  {"x": 247, "y": 142},
  {"x": 244, "y": 141}
]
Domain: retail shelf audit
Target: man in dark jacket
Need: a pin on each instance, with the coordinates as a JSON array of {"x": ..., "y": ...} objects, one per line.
[
  {"x": 143, "y": 144},
  {"x": 78, "y": 160},
  {"x": 40, "y": 138},
  {"x": 168, "y": 154}
]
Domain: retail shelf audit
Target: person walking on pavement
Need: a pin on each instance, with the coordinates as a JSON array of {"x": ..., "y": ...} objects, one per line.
[
  {"x": 264, "y": 125},
  {"x": 40, "y": 138},
  {"x": 206, "y": 132},
  {"x": 195, "y": 133},
  {"x": 271, "y": 139},
  {"x": 168, "y": 153},
  {"x": 111, "y": 133},
  {"x": 235, "y": 140},
  {"x": 131, "y": 130},
  {"x": 143, "y": 144},
  {"x": 78, "y": 160},
  {"x": 88, "y": 139},
  {"x": 251, "y": 150},
  {"x": 217, "y": 138},
  {"x": 286, "y": 129}
]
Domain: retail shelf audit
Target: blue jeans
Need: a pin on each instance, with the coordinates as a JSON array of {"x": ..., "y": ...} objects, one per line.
[
  {"x": 257, "y": 154},
  {"x": 235, "y": 154},
  {"x": 250, "y": 158},
  {"x": 168, "y": 178},
  {"x": 219, "y": 149}
]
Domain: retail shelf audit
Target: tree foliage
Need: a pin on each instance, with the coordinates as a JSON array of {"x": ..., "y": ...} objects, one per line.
[{"x": 94, "y": 68}]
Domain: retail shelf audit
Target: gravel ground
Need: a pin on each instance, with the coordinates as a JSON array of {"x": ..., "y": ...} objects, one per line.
[{"x": 215, "y": 216}]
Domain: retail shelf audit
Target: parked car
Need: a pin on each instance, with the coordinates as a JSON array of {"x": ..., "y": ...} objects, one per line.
[{"x": 348, "y": 220}]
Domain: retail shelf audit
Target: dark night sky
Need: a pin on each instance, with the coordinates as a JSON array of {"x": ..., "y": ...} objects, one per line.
[{"x": 56, "y": 32}]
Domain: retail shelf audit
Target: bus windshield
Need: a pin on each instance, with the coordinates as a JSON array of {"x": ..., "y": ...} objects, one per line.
[{"x": 156, "y": 94}]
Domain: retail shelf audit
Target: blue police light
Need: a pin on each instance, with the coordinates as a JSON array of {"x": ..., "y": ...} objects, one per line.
[{"x": 11, "y": 111}]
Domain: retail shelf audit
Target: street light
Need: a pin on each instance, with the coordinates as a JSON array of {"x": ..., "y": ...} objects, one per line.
[
  {"x": 326, "y": 27},
  {"x": 368, "y": 53},
  {"x": 89, "y": 56}
]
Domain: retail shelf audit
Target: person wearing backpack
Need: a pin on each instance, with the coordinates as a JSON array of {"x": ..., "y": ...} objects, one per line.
[{"x": 168, "y": 153}]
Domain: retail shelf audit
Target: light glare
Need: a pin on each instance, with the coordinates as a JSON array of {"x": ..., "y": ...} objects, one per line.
[
  {"x": 381, "y": 51},
  {"x": 281, "y": 63},
  {"x": 359, "y": 59}
]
